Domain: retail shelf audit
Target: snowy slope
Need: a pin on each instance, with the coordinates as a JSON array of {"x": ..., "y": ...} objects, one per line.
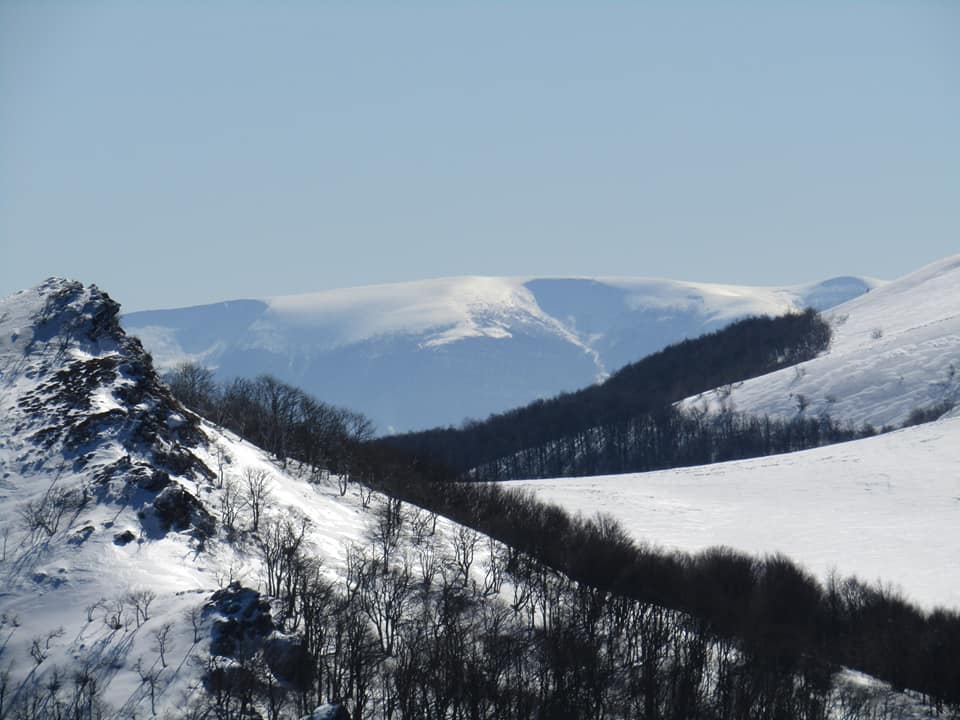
[
  {"x": 420, "y": 354},
  {"x": 894, "y": 350},
  {"x": 85, "y": 428},
  {"x": 883, "y": 508},
  {"x": 112, "y": 543}
]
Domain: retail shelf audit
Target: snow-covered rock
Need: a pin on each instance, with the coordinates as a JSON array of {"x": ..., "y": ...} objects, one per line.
[{"x": 110, "y": 533}]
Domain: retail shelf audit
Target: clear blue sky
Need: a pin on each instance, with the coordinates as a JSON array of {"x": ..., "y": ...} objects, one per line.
[{"x": 184, "y": 152}]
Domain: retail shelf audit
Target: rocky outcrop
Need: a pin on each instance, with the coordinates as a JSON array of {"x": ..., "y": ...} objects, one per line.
[{"x": 95, "y": 385}]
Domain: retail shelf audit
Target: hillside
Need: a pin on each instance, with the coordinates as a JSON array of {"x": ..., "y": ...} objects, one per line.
[
  {"x": 627, "y": 422},
  {"x": 154, "y": 565},
  {"x": 435, "y": 352},
  {"x": 894, "y": 350},
  {"x": 884, "y": 508},
  {"x": 111, "y": 504}
]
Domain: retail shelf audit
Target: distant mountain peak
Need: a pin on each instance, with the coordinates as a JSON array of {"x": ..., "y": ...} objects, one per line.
[
  {"x": 838, "y": 290},
  {"x": 435, "y": 352}
]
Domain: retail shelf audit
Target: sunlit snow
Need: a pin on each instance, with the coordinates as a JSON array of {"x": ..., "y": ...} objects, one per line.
[
  {"x": 894, "y": 350},
  {"x": 885, "y": 508}
]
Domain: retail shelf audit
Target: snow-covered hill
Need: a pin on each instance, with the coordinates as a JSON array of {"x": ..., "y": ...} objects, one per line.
[
  {"x": 894, "y": 350},
  {"x": 884, "y": 508},
  {"x": 109, "y": 511},
  {"x": 421, "y": 354},
  {"x": 125, "y": 592}
]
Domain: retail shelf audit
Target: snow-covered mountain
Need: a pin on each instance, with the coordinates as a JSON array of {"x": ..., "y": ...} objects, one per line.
[
  {"x": 110, "y": 498},
  {"x": 435, "y": 352},
  {"x": 881, "y": 508},
  {"x": 894, "y": 350},
  {"x": 127, "y": 594}
]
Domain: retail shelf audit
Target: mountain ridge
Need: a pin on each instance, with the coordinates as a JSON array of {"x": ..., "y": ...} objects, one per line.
[
  {"x": 894, "y": 351},
  {"x": 436, "y": 352},
  {"x": 128, "y": 612}
]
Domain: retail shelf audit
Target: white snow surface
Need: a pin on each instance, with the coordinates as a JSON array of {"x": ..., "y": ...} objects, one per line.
[
  {"x": 894, "y": 350},
  {"x": 885, "y": 508},
  {"x": 450, "y": 309},
  {"x": 445, "y": 310}
]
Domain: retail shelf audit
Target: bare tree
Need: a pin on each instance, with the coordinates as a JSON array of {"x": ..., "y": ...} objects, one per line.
[
  {"x": 93, "y": 607},
  {"x": 193, "y": 385},
  {"x": 44, "y": 514},
  {"x": 386, "y": 533},
  {"x": 150, "y": 677},
  {"x": 141, "y": 600},
  {"x": 113, "y": 615},
  {"x": 429, "y": 563},
  {"x": 40, "y": 646},
  {"x": 465, "y": 542},
  {"x": 194, "y": 614},
  {"x": 279, "y": 546},
  {"x": 161, "y": 636},
  {"x": 232, "y": 503},
  {"x": 256, "y": 494},
  {"x": 11, "y": 622},
  {"x": 85, "y": 704},
  {"x": 280, "y": 403},
  {"x": 366, "y": 495},
  {"x": 223, "y": 459},
  {"x": 495, "y": 568},
  {"x": 37, "y": 650},
  {"x": 6, "y": 537},
  {"x": 423, "y": 523},
  {"x": 384, "y": 597}
]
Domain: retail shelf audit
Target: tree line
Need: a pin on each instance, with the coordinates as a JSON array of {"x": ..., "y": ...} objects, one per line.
[
  {"x": 276, "y": 416},
  {"x": 434, "y": 623},
  {"x": 768, "y": 611},
  {"x": 667, "y": 438},
  {"x": 444, "y": 623},
  {"x": 769, "y": 606},
  {"x": 606, "y": 419},
  {"x": 633, "y": 422}
]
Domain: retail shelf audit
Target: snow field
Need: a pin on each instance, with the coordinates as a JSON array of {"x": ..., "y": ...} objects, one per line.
[
  {"x": 884, "y": 508},
  {"x": 894, "y": 350}
]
